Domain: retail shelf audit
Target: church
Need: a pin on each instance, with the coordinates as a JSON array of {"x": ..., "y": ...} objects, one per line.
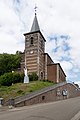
[{"x": 36, "y": 60}]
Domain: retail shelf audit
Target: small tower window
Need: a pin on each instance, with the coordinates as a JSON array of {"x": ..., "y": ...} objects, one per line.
[
  {"x": 42, "y": 45},
  {"x": 31, "y": 41}
]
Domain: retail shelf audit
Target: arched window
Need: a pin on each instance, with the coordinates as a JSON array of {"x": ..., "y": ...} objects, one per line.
[
  {"x": 31, "y": 41},
  {"x": 41, "y": 75}
]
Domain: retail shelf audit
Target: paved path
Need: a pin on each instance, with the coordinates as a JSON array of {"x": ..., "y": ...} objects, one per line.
[{"x": 61, "y": 110}]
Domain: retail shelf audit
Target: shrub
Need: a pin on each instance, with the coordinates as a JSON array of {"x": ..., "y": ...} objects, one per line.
[
  {"x": 30, "y": 90},
  {"x": 20, "y": 91},
  {"x": 8, "y": 78},
  {"x": 33, "y": 77}
]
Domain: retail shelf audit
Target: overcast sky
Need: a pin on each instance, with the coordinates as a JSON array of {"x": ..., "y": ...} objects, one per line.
[{"x": 59, "y": 22}]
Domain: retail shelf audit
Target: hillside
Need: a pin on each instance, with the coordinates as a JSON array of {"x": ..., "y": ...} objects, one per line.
[{"x": 20, "y": 89}]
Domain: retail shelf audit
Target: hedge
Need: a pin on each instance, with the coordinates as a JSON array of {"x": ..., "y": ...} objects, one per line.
[{"x": 8, "y": 78}]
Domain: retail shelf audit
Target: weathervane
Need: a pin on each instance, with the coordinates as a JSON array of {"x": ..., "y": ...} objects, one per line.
[{"x": 35, "y": 9}]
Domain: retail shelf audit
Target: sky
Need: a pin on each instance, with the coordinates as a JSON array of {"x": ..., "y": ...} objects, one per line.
[{"x": 59, "y": 22}]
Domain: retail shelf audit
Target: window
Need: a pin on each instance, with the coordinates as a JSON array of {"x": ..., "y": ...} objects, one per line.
[
  {"x": 41, "y": 75},
  {"x": 31, "y": 41},
  {"x": 43, "y": 97}
]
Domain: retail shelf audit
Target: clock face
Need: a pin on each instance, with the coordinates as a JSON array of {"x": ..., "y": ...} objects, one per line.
[{"x": 31, "y": 51}]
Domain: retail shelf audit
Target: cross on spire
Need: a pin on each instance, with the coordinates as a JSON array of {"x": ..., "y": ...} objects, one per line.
[
  {"x": 35, "y": 9},
  {"x": 35, "y": 25}
]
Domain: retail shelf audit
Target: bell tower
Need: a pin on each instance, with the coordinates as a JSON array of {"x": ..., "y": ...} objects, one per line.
[{"x": 34, "y": 50}]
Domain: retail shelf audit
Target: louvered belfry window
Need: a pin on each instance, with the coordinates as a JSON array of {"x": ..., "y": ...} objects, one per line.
[{"x": 31, "y": 40}]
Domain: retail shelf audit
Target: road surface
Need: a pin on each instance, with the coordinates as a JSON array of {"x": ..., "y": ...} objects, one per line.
[{"x": 60, "y": 110}]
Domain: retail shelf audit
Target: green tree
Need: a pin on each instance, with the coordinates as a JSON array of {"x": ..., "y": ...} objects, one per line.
[{"x": 9, "y": 62}]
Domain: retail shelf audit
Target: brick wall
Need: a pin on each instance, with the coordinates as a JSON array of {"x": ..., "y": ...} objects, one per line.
[
  {"x": 52, "y": 73},
  {"x": 55, "y": 73}
]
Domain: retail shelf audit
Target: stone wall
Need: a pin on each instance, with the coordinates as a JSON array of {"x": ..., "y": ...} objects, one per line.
[{"x": 49, "y": 94}]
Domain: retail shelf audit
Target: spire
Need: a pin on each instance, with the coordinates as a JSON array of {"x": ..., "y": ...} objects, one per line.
[{"x": 35, "y": 25}]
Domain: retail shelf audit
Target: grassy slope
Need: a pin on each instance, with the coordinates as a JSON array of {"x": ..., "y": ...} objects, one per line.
[{"x": 21, "y": 89}]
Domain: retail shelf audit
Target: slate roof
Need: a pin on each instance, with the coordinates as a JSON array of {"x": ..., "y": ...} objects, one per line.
[{"x": 35, "y": 25}]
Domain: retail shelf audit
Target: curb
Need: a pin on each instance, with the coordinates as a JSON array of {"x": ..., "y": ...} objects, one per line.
[
  {"x": 77, "y": 116},
  {"x": 5, "y": 108}
]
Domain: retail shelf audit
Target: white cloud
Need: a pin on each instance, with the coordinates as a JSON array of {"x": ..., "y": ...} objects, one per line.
[
  {"x": 67, "y": 65},
  {"x": 10, "y": 28}
]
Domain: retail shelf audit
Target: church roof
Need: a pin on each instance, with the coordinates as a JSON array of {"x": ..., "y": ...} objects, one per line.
[
  {"x": 35, "y": 28},
  {"x": 35, "y": 25}
]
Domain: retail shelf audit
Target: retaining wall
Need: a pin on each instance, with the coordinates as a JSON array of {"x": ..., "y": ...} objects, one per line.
[{"x": 58, "y": 92}]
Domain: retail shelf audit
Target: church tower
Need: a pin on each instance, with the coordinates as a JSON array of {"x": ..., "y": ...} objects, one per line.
[
  {"x": 34, "y": 50},
  {"x": 36, "y": 60}
]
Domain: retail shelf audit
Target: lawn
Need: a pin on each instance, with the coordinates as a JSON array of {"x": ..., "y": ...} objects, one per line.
[{"x": 20, "y": 89}]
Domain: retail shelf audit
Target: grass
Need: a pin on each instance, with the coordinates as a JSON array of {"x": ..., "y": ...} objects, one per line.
[{"x": 20, "y": 89}]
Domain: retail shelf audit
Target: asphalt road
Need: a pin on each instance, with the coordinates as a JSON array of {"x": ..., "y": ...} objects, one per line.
[{"x": 60, "y": 110}]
